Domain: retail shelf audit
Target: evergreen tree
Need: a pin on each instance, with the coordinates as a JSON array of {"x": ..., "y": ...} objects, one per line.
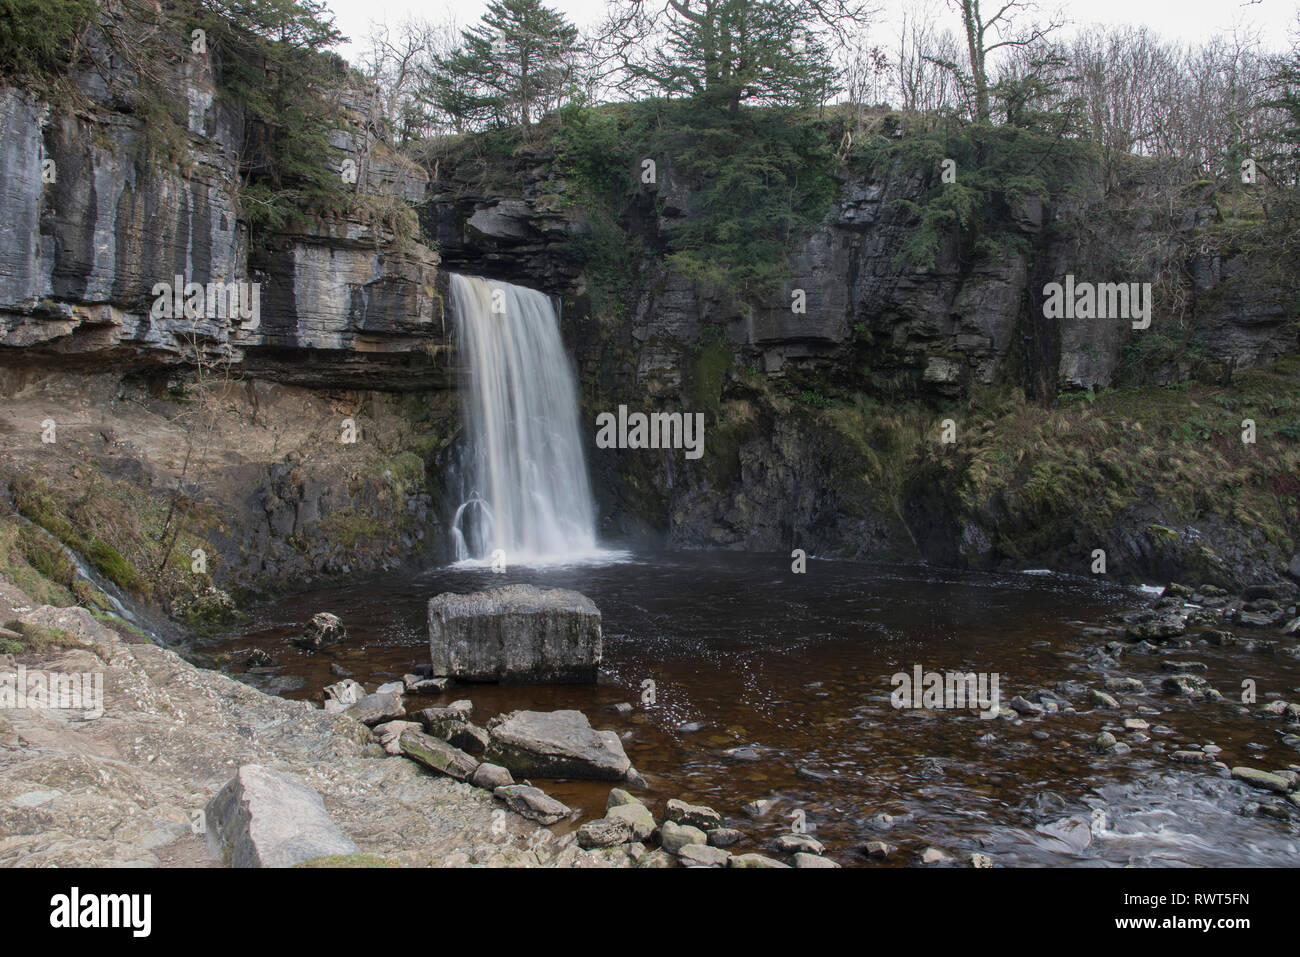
[{"x": 510, "y": 68}]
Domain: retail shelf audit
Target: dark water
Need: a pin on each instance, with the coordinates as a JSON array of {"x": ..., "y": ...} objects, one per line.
[{"x": 794, "y": 670}]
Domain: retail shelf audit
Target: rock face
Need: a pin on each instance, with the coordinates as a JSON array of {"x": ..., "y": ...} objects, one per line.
[
  {"x": 95, "y": 218},
  {"x": 264, "y": 818},
  {"x": 516, "y": 635},
  {"x": 555, "y": 744}
]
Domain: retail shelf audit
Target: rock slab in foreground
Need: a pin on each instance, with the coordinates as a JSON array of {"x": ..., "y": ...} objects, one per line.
[
  {"x": 263, "y": 818},
  {"x": 517, "y": 634},
  {"x": 555, "y": 744}
]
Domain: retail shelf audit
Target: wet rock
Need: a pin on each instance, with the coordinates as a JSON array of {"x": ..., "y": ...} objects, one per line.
[
  {"x": 725, "y": 836},
  {"x": 345, "y": 693},
  {"x": 1022, "y": 706},
  {"x": 878, "y": 850},
  {"x": 1156, "y": 629},
  {"x": 1221, "y": 638},
  {"x": 606, "y": 832},
  {"x": 1192, "y": 757},
  {"x": 427, "y": 685},
  {"x": 1182, "y": 667},
  {"x": 1101, "y": 700},
  {"x": 981, "y": 861},
  {"x": 264, "y": 818},
  {"x": 621, "y": 707},
  {"x": 1262, "y": 779},
  {"x": 259, "y": 658},
  {"x": 532, "y": 803},
  {"x": 673, "y": 837},
  {"x": 1074, "y": 832},
  {"x": 759, "y": 809},
  {"x": 1189, "y": 686},
  {"x": 933, "y": 855},
  {"x": 804, "y": 861},
  {"x": 705, "y": 818},
  {"x": 392, "y": 687},
  {"x": 437, "y": 755},
  {"x": 490, "y": 777},
  {"x": 516, "y": 634},
  {"x": 753, "y": 860},
  {"x": 617, "y": 797},
  {"x": 1105, "y": 742},
  {"x": 1136, "y": 724},
  {"x": 796, "y": 843},
  {"x": 636, "y": 816},
  {"x": 701, "y": 855},
  {"x": 323, "y": 631},
  {"x": 375, "y": 708},
  {"x": 555, "y": 744},
  {"x": 339, "y": 671}
]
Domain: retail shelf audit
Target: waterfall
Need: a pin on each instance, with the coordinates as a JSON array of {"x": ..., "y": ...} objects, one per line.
[{"x": 524, "y": 475}]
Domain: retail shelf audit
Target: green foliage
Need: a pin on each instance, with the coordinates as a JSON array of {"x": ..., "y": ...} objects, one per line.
[
  {"x": 273, "y": 64},
  {"x": 40, "y": 37},
  {"x": 997, "y": 169},
  {"x": 509, "y": 67},
  {"x": 725, "y": 53}
]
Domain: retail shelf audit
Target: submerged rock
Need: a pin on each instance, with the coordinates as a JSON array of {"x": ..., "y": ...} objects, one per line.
[
  {"x": 322, "y": 631},
  {"x": 517, "y": 634},
  {"x": 555, "y": 744},
  {"x": 532, "y": 803}
]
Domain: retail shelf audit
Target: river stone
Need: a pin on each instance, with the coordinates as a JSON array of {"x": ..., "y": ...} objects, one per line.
[
  {"x": 1125, "y": 684},
  {"x": 376, "y": 708},
  {"x": 725, "y": 836},
  {"x": 636, "y": 816},
  {"x": 673, "y": 836},
  {"x": 1262, "y": 779},
  {"x": 657, "y": 859},
  {"x": 1191, "y": 686},
  {"x": 932, "y": 855},
  {"x": 805, "y": 861},
  {"x": 606, "y": 832},
  {"x": 555, "y": 744},
  {"x": 753, "y": 860},
  {"x": 701, "y": 855},
  {"x": 437, "y": 755},
  {"x": 797, "y": 843},
  {"x": 263, "y": 818},
  {"x": 618, "y": 796},
  {"x": 532, "y": 803},
  {"x": 490, "y": 777},
  {"x": 1101, "y": 699},
  {"x": 878, "y": 850},
  {"x": 517, "y": 634},
  {"x": 696, "y": 815},
  {"x": 322, "y": 631},
  {"x": 347, "y": 692}
]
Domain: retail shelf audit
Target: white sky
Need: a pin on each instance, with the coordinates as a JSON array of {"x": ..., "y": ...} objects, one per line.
[{"x": 1184, "y": 20}]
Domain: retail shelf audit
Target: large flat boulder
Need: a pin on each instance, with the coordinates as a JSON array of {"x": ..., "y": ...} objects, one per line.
[
  {"x": 263, "y": 818},
  {"x": 517, "y": 634},
  {"x": 555, "y": 744}
]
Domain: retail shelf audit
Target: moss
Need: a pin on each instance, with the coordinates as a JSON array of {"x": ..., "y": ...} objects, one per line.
[
  {"x": 708, "y": 370},
  {"x": 118, "y": 570},
  {"x": 38, "y": 637},
  {"x": 347, "y": 527}
]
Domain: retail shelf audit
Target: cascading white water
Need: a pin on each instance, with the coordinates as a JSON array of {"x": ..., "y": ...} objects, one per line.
[{"x": 526, "y": 478}]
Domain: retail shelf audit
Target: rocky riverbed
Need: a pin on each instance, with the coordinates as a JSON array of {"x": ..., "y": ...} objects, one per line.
[{"x": 459, "y": 784}]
